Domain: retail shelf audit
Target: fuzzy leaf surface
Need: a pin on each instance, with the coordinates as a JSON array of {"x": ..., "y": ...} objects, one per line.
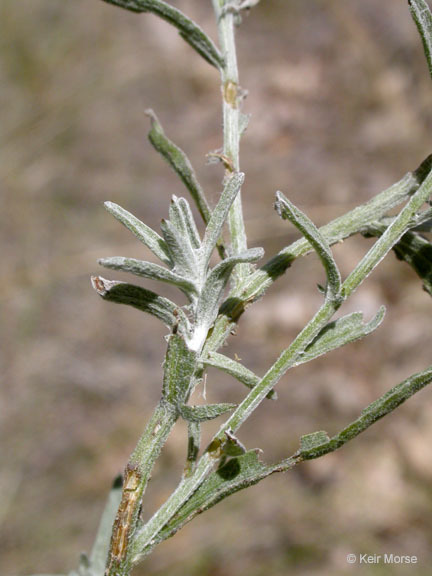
[
  {"x": 288, "y": 211},
  {"x": 189, "y": 31},
  {"x": 422, "y": 17},
  {"x": 179, "y": 368},
  {"x": 180, "y": 163},
  {"x": 216, "y": 281},
  {"x": 180, "y": 249},
  {"x": 220, "y": 214},
  {"x": 140, "y": 298},
  {"x": 205, "y": 412},
  {"x": 147, "y": 270},
  {"x": 237, "y": 370},
  {"x": 144, "y": 233},
  {"x": 340, "y": 332}
]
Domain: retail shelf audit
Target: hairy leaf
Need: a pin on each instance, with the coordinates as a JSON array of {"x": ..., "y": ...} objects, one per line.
[
  {"x": 148, "y": 270},
  {"x": 189, "y": 220},
  {"x": 205, "y": 412},
  {"x": 288, "y": 211},
  {"x": 212, "y": 291},
  {"x": 220, "y": 214},
  {"x": 140, "y": 298},
  {"x": 180, "y": 249},
  {"x": 187, "y": 28},
  {"x": 422, "y": 16},
  {"x": 376, "y": 410},
  {"x": 179, "y": 367},
  {"x": 237, "y": 370},
  {"x": 340, "y": 332},
  {"x": 144, "y": 233}
]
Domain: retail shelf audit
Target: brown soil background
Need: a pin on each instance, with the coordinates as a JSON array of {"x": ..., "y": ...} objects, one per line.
[{"x": 340, "y": 98}]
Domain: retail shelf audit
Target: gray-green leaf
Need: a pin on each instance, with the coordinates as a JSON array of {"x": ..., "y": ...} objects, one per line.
[
  {"x": 205, "y": 412},
  {"x": 187, "y": 28},
  {"x": 180, "y": 249},
  {"x": 340, "y": 332},
  {"x": 148, "y": 270},
  {"x": 180, "y": 163},
  {"x": 179, "y": 368},
  {"x": 145, "y": 300},
  {"x": 144, "y": 233},
  {"x": 422, "y": 16},
  {"x": 220, "y": 214},
  {"x": 237, "y": 370},
  {"x": 212, "y": 291},
  {"x": 288, "y": 211}
]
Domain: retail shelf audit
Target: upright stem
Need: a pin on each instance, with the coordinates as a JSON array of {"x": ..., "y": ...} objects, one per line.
[
  {"x": 136, "y": 476},
  {"x": 231, "y": 115}
]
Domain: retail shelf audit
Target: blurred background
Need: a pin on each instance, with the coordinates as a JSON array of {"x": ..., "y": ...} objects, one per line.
[{"x": 341, "y": 105}]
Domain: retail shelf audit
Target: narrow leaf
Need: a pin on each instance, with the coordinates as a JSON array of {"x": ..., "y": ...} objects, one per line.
[
  {"x": 180, "y": 162},
  {"x": 144, "y": 233},
  {"x": 309, "y": 441},
  {"x": 148, "y": 270},
  {"x": 100, "y": 548},
  {"x": 212, "y": 292},
  {"x": 179, "y": 368},
  {"x": 145, "y": 300},
  {"x": 220, "y": 214},
  {"x": 335, "y": 231},
  {"x": 189, "y": 220},
  {"x": 204, "y": 413},
  {"x": 422, "y": 17},
  {"x": 187, "y": 28},
  {"x": 288, "y": 211},
  {"x": 180, "y": 249},
  {"x": 375, "y": 411},
  {"x": 340, "y": 332},
  {"x": 235, "y": 475},
  {"x": 237, "y": 370}
]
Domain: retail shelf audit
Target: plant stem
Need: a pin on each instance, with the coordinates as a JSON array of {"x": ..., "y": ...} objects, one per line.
[
  {"x": 231, "y": 130},
  {"x": 136, "y": 477}
]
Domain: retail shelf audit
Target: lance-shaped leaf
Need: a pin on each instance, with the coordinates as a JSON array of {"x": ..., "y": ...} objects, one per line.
[
  {"x": 179, "y": 368},
  {"x": 144, "y": 233},
  {"x": 180, "y": 249},
  {"x": 189, "y": 220},
  {"x": 422, "y": 16},
  {"x": 212, "y": 291},
  {"x": 140, "y": 298},
  {"x": 313, "y": 440},
  {"x": 237, "y": 370},
  {"x": 100, "y": 548},
  {"x": 236, "y": 474},
  {"x": 376, "y": 410},
  {"x": 220, "y": 214},
  {"x": 187, "y": 28},
  {"x": 288, "y": 211},
  {"x": 148, "y": 270},
  {"x": 340, "y": 332},
  {"x": 205, "y": 412},
  {"x": 180, "y": 162}
]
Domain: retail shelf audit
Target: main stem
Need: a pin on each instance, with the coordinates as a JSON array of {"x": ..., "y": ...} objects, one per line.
[
  {"x": 231, "y": 127},
  {"x": 136, "y": 476}
]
